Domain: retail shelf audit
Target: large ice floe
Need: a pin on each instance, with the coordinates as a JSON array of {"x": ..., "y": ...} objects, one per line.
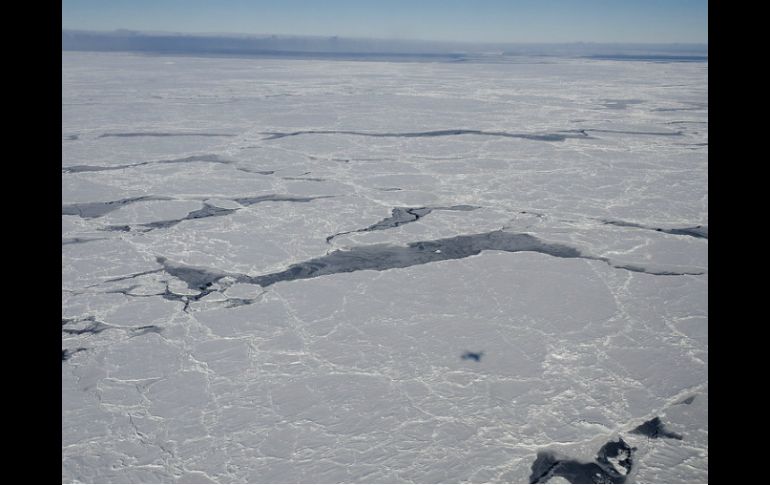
[{"x": 333, "y": 271}]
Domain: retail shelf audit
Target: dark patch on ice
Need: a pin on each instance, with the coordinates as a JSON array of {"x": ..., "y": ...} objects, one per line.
[
  {"x": 94, "y": 327},
  {"x": 547, "y": 465},
  {"x": 687, "y": 122},
  {"x": 92, "y": 210},
  {"x": 689, "y": 400},
  {"x": 67, "y": 353},
  {"x": 472, "y": 356},
  {"x": 391, "y": 189},
  {"x": 624, "y": 132},
  {"x": 427, "y": 134},
  {"x": 277, "y": 198},
  {"x": 260, "y": 172},
  {"x": 655, "y": 428},
  {"x": 79, "y": 240},
  {"x": 617, "y": 450},
  {"x": 459, "y": 207},
  {"x": 399, "y": 216},
  {"x": 167, "y": 294},
  {"x": 203, "y": 281},
  {"x": 117, "y": 228},
  {"x": 699, "y": 108},
  {"x": 187, "y": 299},
  {"x": 145, "y": 330},
  {"x": 200, "y": 279},
  {"x": 309, "y": 179},
  {"x": 91, "y": 168},
  {"x": 204, "y": 290},
  {"x": 89, "y": 326},
  {"x": 698, "y": 231},
  {"x": 624, "y": 224},
  {"x": 343, "y": 160},
  {"x": 154, "y": 225},
  {"x": 403, "y": 215},
  {"x": 171, "y": 296},
  {"x": 236, "y": 302},
  {"x": 135, "y": 275},
  {"x": 194, "y": 158},
  {"x": 71, "y": 137},
  {"x": 159, "y": 134},
  {"x": 641, "y": 269},
  {"x": 381, "y": 257},
  {"x": 208, "y": 210},
  {"x": 126, "y": 291},
  {"x": 620, "y": 103},
  {"x": 602, "y": 470}
]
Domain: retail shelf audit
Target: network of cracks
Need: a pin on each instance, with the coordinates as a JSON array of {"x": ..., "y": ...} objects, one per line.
[{"x": 613, "y": 462}]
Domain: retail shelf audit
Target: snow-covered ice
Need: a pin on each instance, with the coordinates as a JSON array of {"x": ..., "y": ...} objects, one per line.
[{"x": 330, "y": 271}]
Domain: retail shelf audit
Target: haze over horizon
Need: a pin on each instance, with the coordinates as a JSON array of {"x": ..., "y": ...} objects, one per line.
[
  {"x": 461, "y": 21},
  {"x": 177, "y": 43}
]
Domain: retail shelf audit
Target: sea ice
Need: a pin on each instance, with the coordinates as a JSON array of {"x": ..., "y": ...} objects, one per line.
[{"x": 331, "y": 271}]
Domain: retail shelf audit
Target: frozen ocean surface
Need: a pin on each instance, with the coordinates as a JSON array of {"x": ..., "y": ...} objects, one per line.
[{"x": 335, "y": 271}]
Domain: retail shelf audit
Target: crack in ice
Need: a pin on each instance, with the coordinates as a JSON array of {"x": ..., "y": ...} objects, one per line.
[
  {"x": 698, "y": 231},
  {"x": 92, "y": 210},
  {"x": 97, "y": 168},
  {"x": 381, "y": 257},
  {"x": 403, "y": 215},
  {"x": 160, "y": 134},
  {"x": 428, "y": 134}
]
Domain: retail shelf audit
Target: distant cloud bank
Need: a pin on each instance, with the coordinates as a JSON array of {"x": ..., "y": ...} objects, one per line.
[{"x": 350, "y": 48}]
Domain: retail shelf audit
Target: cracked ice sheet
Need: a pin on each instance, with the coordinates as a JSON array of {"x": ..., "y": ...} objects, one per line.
[
  {"x": 365, "y": 369},
  {"x": 357, "y": 377}
]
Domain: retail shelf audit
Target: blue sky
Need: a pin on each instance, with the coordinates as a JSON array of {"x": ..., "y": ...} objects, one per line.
[{"x": 655, "y": 21}]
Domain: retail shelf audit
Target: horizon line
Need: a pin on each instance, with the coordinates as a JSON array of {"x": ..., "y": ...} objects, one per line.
[{"x": 244, "y": 35}]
